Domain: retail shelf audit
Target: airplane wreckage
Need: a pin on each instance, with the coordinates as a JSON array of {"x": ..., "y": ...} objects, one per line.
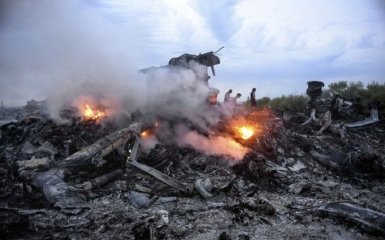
[{"x": 292, "y": 177}]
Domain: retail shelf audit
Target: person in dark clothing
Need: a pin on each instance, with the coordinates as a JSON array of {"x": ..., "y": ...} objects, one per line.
[{"x": 253, "y": 101}]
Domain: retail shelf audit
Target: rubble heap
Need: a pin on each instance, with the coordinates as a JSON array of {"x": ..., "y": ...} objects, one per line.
[{"x": 82, "y": 181}]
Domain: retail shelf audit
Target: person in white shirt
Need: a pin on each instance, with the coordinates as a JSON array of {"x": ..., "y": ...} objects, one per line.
[{"x": 227, "y": 96}]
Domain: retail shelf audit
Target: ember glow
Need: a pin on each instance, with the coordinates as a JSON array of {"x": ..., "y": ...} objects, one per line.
[
  {"x": 145, "y": 134},
  {"x": 92, "y": 114},
  {"x": 245, "y": 129},
  {"x": 246, "y": 132}
]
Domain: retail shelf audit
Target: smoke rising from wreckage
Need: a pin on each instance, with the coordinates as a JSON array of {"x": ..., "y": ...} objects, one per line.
[{"x": 162, "y": 174}]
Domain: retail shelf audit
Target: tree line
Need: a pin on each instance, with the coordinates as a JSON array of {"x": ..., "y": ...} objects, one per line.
[{"x": 373, "y": 91}]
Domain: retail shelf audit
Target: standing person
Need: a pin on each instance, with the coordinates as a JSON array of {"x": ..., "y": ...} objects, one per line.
[
  {"x": 253, "y": 101},
  {"x": 227, "y": 95},
  {"x": 231, "y": 105},
  {"x": 236, "y": 97}
]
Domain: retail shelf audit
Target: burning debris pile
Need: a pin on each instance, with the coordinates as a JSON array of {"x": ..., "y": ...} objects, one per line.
[
  {"x": 151, "y": 154},
  {"x": 183, "y": 167},
  {"x": 91, "y": 179}
]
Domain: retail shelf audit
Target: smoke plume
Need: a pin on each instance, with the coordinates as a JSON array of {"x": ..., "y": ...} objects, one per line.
[
  {"x": 215, "y": 145},
  {"x": 69, "y": 52}
]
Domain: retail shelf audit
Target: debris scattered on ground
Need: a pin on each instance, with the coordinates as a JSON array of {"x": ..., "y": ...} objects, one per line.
[{"x": 92, "y": 180}]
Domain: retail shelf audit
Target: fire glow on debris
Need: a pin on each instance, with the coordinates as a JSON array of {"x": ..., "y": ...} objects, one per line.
[
  {"x": 92, "y": 114},
  {"x": 145, "y": 134},
  {"x": 246, "y": 132},
  {"x": 215, "y": 145},
  {"x": 250, "y": 126},
  {"x": 245, "y": 129},
  {"x": 239, "y": 132}
]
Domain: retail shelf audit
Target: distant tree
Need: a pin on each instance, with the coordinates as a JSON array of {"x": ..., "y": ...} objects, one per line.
[
  {"x": 263, "y": 102},
  {"x": 338, "y": 87},
  {"x": 375, "y": 92},
  {"x": 295, "y": 103},
  {"x": 351, "y": 90},
  {"x": 354, "y": 89}
]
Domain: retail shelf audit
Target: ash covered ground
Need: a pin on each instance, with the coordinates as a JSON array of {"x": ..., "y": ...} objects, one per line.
[{"x": 292, "y": 184}]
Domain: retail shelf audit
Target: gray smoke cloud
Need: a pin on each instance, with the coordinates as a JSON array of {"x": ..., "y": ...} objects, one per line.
[
  {"x": 211, "y": 145},
  {"x": 64, "y": 51},
  {"x": 68, "y": 53},
  {"x": 49, "y": 48}
]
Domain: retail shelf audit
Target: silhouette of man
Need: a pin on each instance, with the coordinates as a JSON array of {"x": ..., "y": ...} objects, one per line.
[{"x": 253, "y": 101}]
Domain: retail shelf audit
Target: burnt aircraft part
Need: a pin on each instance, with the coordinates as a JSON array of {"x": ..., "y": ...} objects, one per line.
[
  {"x": 101, "y": 180},
  {"x": 160, "y": 176},
  {"x": 368, "y": 218},
  {"x": 270, "y": 181},
  {"x": 186, "y": 61},
  {"x": 208, "y": 59},
  {"x": 88, "y": 155},
  {"x": 337, "y": 106},
  {"x": 314, "y": 89},
  {"x": 52, "y": 182},
  {"x": 374, "y": 118},
  {"x": 132, "y": 161},
  {"x": 57, "y": 191}
]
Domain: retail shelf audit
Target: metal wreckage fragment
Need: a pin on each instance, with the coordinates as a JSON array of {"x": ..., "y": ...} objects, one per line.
[
  {"x": 52, "y": 182},
  {"x": 242, "y": 195},
  {"x": 367, "y": 217},
  {"x": 372, "y": 119},
  {"x": 314, "y": 91},
  {"x": 58, "y": 192},
  {"x": 132, "y": 162}
]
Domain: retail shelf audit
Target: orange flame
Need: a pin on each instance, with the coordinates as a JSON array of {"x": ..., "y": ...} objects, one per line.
[
  {"x": 245, "y": 129},
  {"x": 246, "y": 132},
  {"x": 145, "y": 134},
  {"x": 91, "y": 114}
]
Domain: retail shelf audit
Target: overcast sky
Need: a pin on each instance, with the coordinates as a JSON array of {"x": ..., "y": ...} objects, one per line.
[{"x": 275, "y": 46}]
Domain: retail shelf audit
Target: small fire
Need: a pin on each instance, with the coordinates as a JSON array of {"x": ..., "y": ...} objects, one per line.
[
  {"x": 145, "y": 134},
  {"x": 150, "y": 132},
  {"x": 93, "y": 114},
  {"x": 245, "y": 129},
  {"x": 246, "y": 132}
]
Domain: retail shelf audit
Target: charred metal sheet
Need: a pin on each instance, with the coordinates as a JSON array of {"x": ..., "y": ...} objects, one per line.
[
  {"x": 367, "y": 217},
  {"x": 101, "y": 180},
  {"x": 160, "y": 176},
  {"x": 132, "y": 161},
  {"x": 52, "y": 182},
  {"x": 101, "y": 148},
  {"x": 57, "y": 191},
  {"x": 373, "y": 119}
]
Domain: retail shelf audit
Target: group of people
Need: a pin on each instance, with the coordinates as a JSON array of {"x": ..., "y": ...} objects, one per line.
[
  {"x": 233, "y": 100},
  {"x": 229, "y": 99},
  {"x": 230, "y": 105}
]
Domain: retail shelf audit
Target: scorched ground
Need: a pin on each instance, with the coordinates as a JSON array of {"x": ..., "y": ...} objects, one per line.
[{"x": 289, "y": 183}]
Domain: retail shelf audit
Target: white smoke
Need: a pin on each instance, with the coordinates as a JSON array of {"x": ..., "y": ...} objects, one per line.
[
  {"x": 68, "y": 53},
  {"x": 63, "y": 50},
  {"x": 212, "y": 145},
  {"x": 50, "y": 48}
]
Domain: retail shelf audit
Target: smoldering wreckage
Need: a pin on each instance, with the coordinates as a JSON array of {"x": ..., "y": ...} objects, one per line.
[{"x": 279, "y": 175}]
